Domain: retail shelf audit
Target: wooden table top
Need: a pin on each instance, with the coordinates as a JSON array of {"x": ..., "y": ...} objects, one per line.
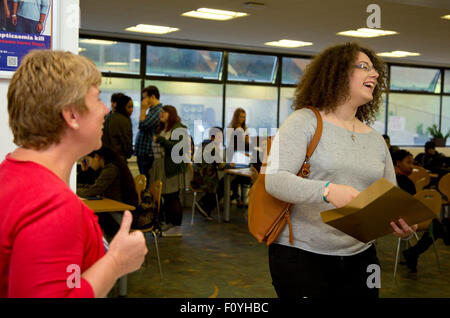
[{"x": 107, "y": 205}]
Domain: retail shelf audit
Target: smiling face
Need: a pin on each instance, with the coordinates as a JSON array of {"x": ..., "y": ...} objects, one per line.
[
  {"x": 363, "y": 80},
  {"x": 91, "y": 122}
]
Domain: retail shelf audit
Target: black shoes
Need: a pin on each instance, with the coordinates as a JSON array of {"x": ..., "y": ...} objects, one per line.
[{"x": 411, "y": 260}]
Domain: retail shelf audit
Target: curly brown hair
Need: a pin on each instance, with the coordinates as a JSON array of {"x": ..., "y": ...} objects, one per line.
[{"x": 325, "y": 84}]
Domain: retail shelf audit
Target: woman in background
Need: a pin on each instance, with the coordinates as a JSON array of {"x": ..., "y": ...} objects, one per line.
[
  {"x": 117, "y": 131},
  {"x": 237, "y": 140},
  {"x": 167, "y": 170}
]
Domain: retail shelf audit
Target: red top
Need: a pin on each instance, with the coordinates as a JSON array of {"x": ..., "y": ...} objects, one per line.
[{"x": 47, "y": 234}]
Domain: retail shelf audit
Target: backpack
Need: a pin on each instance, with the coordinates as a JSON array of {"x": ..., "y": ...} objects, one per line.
[{"x": 146, "y": 213}]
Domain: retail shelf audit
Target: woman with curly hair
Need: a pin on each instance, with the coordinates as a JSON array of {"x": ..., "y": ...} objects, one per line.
[{"x": 344, "y": 83}]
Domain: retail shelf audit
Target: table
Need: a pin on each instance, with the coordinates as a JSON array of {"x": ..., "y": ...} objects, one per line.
[
  {"x": 244, "y": 172},
  {"x": 108, "y": 205}
]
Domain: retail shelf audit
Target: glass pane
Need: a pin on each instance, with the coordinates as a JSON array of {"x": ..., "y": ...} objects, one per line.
[
  {"x": 409, "y": 117},
  {"x": 112, "y": 56},
  {"x": 199, "y": 105},
  {"x": 286, "y": 101},
  {"x": 176, "y": 62},
  {"x": 293, "y": 69},
  {"x": 259, "y": 103},
  {"x": 415, "y": 79},
  {"x": 446, "y": 117},
  {"x": 130, "y": 87},
  {"x": 380, "y": 121},
  {"x": 447, "y": 82},
  {"x": 252, "y": 68}
]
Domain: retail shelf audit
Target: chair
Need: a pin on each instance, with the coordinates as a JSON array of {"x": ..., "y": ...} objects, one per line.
[
  {"x": 156, "y": 191},
  {"x": 140, "y": 182},
  {"x": 419, "y": 173},
  {"x": 433, "y": 200},
  {"x": 420, "y": 184},
  {"x": 444, "y": 188},
  {"x": 196, "y": 204}
]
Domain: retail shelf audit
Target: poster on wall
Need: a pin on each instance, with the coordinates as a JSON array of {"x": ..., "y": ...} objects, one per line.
[{"x": 25, "y": 25}]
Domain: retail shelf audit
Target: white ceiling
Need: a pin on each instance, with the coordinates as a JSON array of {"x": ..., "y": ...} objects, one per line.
[{"x": 418, "y": 23}]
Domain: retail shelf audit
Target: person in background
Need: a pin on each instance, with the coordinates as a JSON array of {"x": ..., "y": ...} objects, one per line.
[
  {"x": 167, "y": 170},
  {"x": 46, "y": 231},
  {"x": 6, "y": 9},
  {"x": 237, "y": 140},
  {"x": 391, "y": 148},
  {"x": 113, "y": 181},
  {"x": 114, "y": 99},
  {"x": 208, "y": 160},
  {"x": 430, "y": 159},
  {"x": 29, "y": 15},
  {"x": 148, "y": 123},
  {"x": 403, "y": 165},
  {"x": 344, "y": 83},
  {"x": 117, "y": 129}
]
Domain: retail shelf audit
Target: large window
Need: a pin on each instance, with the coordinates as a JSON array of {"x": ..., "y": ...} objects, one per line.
[
  {"x": 447, "y": 82},
  {"x": 293, "y": 69},
  {"x": 130, "y": 87},
  {"x": 415, "y": 79},
  {"x": 445, "y": 126},
  {"x": 177, "y": 62},
  {"x": 252, "y": 68},
  {"x": 199, "y": 105},
  {"x": 259, "y": 103},
  {"x": 380, "y": 121},
  {"x": 194, "y": 80},
  {"x": 112, "y": 56},
  {"x": 409, "y": 117},
  {"x": 286, "y": 101}
]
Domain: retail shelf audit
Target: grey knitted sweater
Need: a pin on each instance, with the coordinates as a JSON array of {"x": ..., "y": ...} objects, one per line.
[{"x": 338, "y": 159}]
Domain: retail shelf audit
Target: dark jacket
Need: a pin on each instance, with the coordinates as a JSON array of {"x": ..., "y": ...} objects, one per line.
[
  {"x": 172, "y": 168},
  {"x": 106, "y": 185},
  {"x": 118, "y": 134}
]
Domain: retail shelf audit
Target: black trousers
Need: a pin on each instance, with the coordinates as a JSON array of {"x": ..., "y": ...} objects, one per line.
[
  {"x": 298, "y": 274},
  {"x": 208, "y": 201},
  {"x": 172, "y": 208}
]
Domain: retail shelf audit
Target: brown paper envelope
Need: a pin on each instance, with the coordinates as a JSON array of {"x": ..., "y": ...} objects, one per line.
[{"x": 368, "y": 216}]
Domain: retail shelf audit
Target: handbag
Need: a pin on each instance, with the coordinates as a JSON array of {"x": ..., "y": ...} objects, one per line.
[{"x": 267, "y": 215}]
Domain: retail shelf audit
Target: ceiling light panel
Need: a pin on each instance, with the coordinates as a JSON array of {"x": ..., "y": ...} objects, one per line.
[
  {"x": 214, "y": 14},
  {"x": 398, "y": 54},
  {"x": 367, "y": 33},
  {"x": 153, "y": 29},
  {"x": 288, "y": 43}
]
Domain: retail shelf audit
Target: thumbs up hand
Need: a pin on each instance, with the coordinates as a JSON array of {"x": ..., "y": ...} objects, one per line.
[{"x": 127, "y": 249}]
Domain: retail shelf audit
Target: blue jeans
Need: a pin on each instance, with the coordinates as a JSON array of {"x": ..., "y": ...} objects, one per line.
[
  {"x": 25, "y": 25},
  {"x": 145, "y": 164}
]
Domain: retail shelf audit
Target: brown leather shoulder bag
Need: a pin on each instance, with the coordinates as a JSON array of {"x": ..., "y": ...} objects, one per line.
[{"x": 267, "y": 216}]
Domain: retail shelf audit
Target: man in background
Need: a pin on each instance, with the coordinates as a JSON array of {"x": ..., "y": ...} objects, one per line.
[{"x": 148, "y": 122}]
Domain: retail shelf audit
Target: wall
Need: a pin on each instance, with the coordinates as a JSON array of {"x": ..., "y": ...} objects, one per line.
[{"x": 66, "y": 22}]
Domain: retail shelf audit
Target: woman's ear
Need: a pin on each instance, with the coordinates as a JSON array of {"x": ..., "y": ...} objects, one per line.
[{"x": 71, "y": 117}]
